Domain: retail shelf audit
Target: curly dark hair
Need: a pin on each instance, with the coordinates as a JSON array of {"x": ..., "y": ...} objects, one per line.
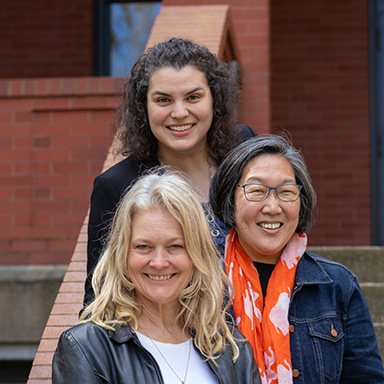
[{"x": 132, "y": 125}]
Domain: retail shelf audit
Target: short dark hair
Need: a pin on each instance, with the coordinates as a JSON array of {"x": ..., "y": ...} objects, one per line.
[
  {"x": 228, "y": 174},
  {"x": 132, "y": 124}
]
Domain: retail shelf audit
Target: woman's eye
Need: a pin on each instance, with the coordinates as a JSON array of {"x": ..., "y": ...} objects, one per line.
[
  {"x": 162, "y": 100},
  {"x": 256, "y": 191},
  {"x": 176, "y": 246},
  {"x": 194, "y": 97},
  {"x": 142, "y": 247}
]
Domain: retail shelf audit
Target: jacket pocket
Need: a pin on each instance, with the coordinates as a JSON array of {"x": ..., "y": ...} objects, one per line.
[{"x": 327, "y": 337}]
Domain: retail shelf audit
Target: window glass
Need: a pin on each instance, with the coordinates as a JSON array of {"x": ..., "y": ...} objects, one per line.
[{"x": 131, "y": 25}]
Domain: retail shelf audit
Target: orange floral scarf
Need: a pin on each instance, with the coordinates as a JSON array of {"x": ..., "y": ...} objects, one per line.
[{"x": 265, "y": 322}]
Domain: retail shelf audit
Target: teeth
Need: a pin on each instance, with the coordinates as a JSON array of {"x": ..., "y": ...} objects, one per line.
[
  {"x": 270, "y": 226},
  {"x": 180, "y": 128},
  {"x": 157, "y": 277}
]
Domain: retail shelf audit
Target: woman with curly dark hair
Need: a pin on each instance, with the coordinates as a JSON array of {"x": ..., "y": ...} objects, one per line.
[{"x": 178, "y": 110}]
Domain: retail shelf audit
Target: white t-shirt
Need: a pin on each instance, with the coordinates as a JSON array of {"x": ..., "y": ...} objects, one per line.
[{"x": 177, "y": 357}]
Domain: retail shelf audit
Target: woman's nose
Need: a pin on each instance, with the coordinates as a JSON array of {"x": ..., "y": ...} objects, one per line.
[
  {"x": 179, "y": 110},
  {"x": 272, "y": 203},
  {"x": 159, "y": 259}
]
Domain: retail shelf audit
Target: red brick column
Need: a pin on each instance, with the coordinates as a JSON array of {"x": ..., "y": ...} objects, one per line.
[{"x": 67, "y": 305}]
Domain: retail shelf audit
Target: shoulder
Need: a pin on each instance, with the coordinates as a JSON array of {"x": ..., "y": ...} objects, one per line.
[
  {"x": 330, "y": 266},
  {"x": 245, "y": 365},
  {"x": 129, "y": 167},
  {"x": 90, "y": 336},
  {"x": 84, "y": 332},
  {"x": 330, "y": 275},
  {"x": 242, "y": 343},
  {"x": 245, "y": 132},
  {"x": 79, "y": 343},
  {"x": 125, "y": 172},
  {"x": 236, "y": 333}
]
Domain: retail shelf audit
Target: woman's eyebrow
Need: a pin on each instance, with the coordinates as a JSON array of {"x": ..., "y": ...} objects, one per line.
[{"x": 161, "y": 93}]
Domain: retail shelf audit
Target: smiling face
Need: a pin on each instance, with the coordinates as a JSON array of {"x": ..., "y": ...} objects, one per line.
[
  {"x": 158, "y": 263},
  {"x": 265, "y": 227},
  {"x": 180, "y": 109}
]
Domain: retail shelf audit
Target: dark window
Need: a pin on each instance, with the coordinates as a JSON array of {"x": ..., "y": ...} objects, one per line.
[
  {"x": 376, "y": 25},
  {"x": 121, "y": 33}
]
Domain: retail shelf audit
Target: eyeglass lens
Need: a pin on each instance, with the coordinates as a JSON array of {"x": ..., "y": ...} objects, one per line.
[{"x": 259, "y": 192}]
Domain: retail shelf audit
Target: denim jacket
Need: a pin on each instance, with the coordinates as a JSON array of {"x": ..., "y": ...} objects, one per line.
[{"x": 332, "y": 337}]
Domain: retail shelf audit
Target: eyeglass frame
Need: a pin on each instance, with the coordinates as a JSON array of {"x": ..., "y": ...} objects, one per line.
[{"x": 269, "y": 191}]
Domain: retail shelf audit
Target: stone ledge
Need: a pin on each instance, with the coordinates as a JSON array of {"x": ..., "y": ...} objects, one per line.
[
  {"x": 30, "y": 291},
  {"x": 366, "y": 262},
  {"x": 10, "y": 352},
  {"x": 28, "y": 273}
]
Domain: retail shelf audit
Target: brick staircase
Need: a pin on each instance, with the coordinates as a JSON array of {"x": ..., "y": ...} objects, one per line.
[{"x": 368, "y": 265}]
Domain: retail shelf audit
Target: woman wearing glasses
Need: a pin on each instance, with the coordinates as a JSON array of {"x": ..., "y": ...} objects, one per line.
[{"x": 305, "y": 316}]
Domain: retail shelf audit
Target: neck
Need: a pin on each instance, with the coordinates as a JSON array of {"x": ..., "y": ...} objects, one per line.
[
  {"x": 183, "y": 160},
  {"x": 198, "y": 167},
  {"x": 161, "y": 325}
]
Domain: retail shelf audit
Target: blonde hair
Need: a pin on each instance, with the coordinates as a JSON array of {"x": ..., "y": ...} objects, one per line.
[{"x": 202, "y": 313}]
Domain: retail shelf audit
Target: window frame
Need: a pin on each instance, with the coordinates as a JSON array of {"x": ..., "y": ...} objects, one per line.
[{"x": 102, "y": 28}]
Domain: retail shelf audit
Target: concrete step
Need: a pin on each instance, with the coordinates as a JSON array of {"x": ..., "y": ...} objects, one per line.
[
  {"x": 374, "y": 295},
  {"x": 379, "y": 329},
  {"x": 367, "y": 263}
]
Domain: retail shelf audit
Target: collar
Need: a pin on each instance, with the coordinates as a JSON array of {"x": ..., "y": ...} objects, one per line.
[
  {"x": 309, "y": 271},
  {"x": 121, "y": 334}
]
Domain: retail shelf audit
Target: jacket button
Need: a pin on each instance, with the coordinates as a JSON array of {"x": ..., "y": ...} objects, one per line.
[
  {"x": 291, "y": 328},
  {"x": 295, "y": 373},
  {"x": 334, "y": 333}
]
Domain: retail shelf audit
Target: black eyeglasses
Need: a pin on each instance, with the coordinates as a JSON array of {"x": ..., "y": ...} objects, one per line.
[{"x": 259, "y": 192}]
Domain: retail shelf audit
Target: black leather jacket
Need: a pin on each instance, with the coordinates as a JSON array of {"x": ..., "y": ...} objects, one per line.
[{"x": 90, "y": 354}]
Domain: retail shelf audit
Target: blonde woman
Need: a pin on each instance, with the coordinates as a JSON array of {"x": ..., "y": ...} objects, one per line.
[{"x": 157, "y": 316}]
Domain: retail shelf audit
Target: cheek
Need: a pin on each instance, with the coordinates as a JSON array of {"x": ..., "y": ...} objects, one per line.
[
  {"x": 154, "y": 114},
  {"x": 134, "y": 264},
  {"x": 245, "y": 211},
  {"x": 150, "y": 116},
  {"x": 294, "y": 213},
  {"x": 186, "y": 264}
]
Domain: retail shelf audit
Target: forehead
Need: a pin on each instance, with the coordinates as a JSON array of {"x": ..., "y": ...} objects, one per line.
[
  {"x": 268, "y": 168},
  {"x": 169, "y": 75},
  {"x": 146, "y": 218}
]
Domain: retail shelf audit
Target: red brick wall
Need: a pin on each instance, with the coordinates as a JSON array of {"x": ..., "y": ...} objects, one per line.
[
  {"x": 45, "y": 38},
  {"x": 320, "y": 94},
  {"x": 54, "y": 137},
  {"x": 250, "y": 21}
]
